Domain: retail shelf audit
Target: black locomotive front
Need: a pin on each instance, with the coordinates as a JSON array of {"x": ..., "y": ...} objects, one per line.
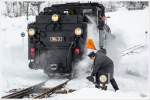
[
  {"x": 55, "y": 41},
  {"x": 57, "y": 38}
]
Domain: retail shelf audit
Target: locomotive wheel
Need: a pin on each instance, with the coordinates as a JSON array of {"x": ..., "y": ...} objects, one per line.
[{"x": 33, "y": 65}]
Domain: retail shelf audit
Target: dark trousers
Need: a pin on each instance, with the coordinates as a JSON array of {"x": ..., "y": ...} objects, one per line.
[
  {"x": 114, "y": 84},
  {"x": 101, "y": 24}
]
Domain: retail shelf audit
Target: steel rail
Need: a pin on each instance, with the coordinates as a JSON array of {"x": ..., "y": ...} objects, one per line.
[
  {"x": 51, "y": 90},
  {"x": 24, "y": 92}
]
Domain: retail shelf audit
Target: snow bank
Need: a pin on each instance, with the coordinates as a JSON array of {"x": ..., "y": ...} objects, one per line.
[{"x": 131, "y": 29}]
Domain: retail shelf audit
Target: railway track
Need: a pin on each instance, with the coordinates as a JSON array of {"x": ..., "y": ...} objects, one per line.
[
  {"x": 132, "y": 50},
  {"x": 44, "y": 93},
  {"x": 51, "y": 91}
]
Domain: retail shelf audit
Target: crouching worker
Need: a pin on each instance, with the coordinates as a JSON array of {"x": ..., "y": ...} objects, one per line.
[{"x": 103, "y": 69}]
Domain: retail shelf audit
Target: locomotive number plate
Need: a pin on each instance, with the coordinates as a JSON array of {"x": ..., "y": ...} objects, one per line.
[{"x": 56, "y": 39}]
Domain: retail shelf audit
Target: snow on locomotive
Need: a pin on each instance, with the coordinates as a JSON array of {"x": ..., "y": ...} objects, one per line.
[{"x": 58, "y": 36}]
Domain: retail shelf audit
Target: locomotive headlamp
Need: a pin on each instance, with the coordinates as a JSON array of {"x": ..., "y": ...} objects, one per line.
[
  {"x": 103, "y": 78},
  {"x": 55, "y": 17},
  {"x": 31, "y": 32},
  {"x": 78, "y": 31}
]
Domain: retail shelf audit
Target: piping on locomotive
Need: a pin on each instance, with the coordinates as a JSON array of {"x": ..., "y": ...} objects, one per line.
[{"x": 58, "y": 36}]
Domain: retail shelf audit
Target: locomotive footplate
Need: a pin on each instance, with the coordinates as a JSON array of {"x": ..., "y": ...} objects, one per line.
[{"x": 57, "y": 62}]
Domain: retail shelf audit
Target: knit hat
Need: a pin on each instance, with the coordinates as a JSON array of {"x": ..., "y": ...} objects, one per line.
[
  {"x": 91, "y": 54},
  {"x": 103, "y": 50}
]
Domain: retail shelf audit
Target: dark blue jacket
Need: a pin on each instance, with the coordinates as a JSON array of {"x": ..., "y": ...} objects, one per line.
[{"x": 103, "y": 64}]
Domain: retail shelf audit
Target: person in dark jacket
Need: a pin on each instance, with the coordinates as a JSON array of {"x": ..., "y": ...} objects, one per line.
[
  {"x": 102, "y": 64},
  {"x": 102, "y": 18}
]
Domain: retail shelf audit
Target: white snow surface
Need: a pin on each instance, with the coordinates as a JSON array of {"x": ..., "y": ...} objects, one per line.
[
  {"x": 131, "y": 71},
  {"x": 94, "y": 93}
]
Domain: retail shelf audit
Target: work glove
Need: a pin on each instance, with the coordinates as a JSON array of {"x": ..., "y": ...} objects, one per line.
[
  {"x": 93, "y": 74},
  {"x": 90, "y": 78}
]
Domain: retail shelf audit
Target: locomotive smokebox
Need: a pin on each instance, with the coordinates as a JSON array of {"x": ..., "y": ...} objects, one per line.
[{"x": 58, "y": 61}]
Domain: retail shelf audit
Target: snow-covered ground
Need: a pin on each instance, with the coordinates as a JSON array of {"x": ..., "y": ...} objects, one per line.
[{"x": 131, "y": 71}]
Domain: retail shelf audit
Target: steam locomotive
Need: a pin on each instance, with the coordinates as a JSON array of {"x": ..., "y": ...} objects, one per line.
[{"x": 56, "y": 40}]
